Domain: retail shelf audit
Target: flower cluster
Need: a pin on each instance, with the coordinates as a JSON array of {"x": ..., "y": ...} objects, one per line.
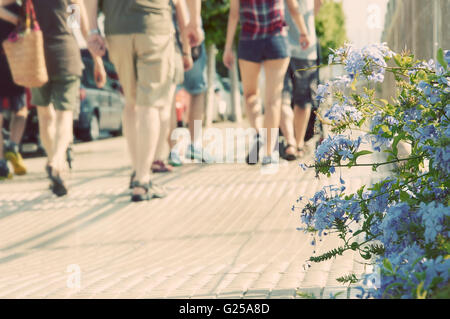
[
  {"x": 370, "y": 61},
  {"x": 402, "y": 223}
]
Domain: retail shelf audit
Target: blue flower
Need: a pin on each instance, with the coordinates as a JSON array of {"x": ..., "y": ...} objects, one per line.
[{"x": 322, "y": 92}]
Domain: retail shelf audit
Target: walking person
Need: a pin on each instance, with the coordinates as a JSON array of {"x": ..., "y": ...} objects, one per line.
[
  {"x": 300, "y": 83},
  {"x": 57, "y": 99},
  {"x": 195, "y": 83},
  {"x": 140, "y": 39},
  {"x": 262, "y": 43},
  {"x": 183, "y": 63},
  {"x": 13, "y": 95}
]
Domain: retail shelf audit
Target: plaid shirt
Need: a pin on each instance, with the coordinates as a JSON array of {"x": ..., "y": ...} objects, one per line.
[{"x": 261, "y": 19}]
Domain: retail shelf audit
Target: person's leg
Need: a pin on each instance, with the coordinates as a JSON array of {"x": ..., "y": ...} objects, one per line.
[
  {"x": 1, "y": 134},
  {"x": 161, "y": 152},
  {"x": 155, "y": 76},
  {"x": 287, "y": 128},
  {"x": 195, "y": 83},
  {"x": 62, "y": 139},
  {"x": 4, "y": 170},
  {"x": 18, "y": 122},
  {"x": 129, "y": 127},
  {"x": 305, "y": 87},
  {"x": 287, "y": 116},
  {"x": 148, "y": 131},
  {"x": 275, "y": 71},
  {"x": 196, "y": 113},
  {"x": 47, "y": 129},
  {"x": 17, "y": 127},
  {"x": 250, "y": 74},
  {"x": 301, "y": 119},
  {"x": 122, "y": 56}
]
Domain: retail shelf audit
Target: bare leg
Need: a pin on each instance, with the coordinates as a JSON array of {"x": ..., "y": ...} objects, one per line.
[
  {"x": 148, "y": 126},
  {"x": 275, "y": 70},
  {"x": 287, "y": 127},
  {"x": 17, "y": 126},
  {"x": 165, "y": 120},
  {"x": 129, "y": 120},
  {"x": 250, "y": 74},
  {"x": 196, "y": 112},
  {"x": 47, "y": 129},
  {"x": 173, "y": 122},
  {"x": 63, "y": 137},
  {"x": 301, "y": 118},
  {"x": 2, "y": 156}
]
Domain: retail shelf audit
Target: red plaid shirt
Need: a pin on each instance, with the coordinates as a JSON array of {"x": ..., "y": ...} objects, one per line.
[{"x": 261, "y": 18}]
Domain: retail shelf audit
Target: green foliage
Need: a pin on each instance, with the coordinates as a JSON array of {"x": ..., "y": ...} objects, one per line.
[
  {"x": 330, "y": 28},
  {"x": 215, "y": 19}
]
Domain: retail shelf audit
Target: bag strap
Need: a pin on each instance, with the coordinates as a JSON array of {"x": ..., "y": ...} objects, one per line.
[{"x": 31, "y": 16}]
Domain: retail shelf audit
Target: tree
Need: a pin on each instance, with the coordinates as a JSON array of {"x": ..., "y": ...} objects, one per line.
[
  {"x": 215, "y": 19},
  {"x": 330, "y": 28}
]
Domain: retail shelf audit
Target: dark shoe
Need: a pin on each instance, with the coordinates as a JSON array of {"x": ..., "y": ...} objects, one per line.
[
  {"x": 161, "y": 167},
  {"x": 253, "y": 155},
  {"x": 12, "y": 154},
  {"x": 132, "y": 181},
  {"x": 4, "y": 171},
  {"x": 287, "y": 156},
  {"x": 58, "y": 186},
  {"x": 141, "y": 197}
]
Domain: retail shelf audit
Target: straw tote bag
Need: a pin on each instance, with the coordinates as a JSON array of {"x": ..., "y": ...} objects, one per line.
[{"x": 24, "y": 51}]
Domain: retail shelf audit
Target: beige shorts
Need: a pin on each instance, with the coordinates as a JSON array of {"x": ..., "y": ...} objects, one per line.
[{"x": 145, "y": 65}]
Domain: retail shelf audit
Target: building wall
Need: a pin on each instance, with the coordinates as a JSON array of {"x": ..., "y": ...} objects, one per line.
[{"x": 411, "y": 25}]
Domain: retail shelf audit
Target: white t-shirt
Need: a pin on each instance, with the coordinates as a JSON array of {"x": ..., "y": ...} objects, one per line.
[{"x": 306, "y": 7}]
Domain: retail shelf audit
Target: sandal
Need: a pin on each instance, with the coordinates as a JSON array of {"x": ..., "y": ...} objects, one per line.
[
  {"x": 287, "y": 156},
  {"x": 301, "y": 152},
  {"x": 57, "y": 185},
  {"x": 161, "y": 167},
  {"x": 132, "y": 181},
  {"x": 141, "y": 197}
]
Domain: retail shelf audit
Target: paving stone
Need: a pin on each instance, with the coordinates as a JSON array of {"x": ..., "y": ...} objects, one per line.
[{"x": 224, "y": 231}]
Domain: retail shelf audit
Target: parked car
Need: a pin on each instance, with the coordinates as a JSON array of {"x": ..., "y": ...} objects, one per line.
[{"x": 100, "y": 109}]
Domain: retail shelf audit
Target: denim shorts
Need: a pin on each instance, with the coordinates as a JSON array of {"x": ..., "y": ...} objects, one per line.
[
  {"x": 195, "y": 80},
  {"x": 271, "y": 48},
  {"x": 13, "y": 103}
]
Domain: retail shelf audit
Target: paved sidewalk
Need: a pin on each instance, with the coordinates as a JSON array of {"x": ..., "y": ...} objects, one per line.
[{"x": 225, "y": 231}]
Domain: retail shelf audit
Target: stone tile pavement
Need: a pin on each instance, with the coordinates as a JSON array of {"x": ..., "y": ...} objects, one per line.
[{"x": 225, "y": 231}]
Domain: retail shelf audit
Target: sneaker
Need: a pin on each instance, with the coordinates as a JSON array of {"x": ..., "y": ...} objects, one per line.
[
  {"x": 268, "y": 160},
  {"x": 161, "y": 167},
  {"x": 12, "y": 154},
  {"x": 174, "y": 159},
  {"x": 253, "y": 155},
  {"x": 4, "y": 171},
  {"x": 199, "y": 154}
]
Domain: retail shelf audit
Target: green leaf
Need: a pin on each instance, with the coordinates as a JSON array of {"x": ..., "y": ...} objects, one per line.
[
  {"x": 387, "y": 264},
  {"x": 441, "y": 59},
  {"x": 362, "y": 153}
]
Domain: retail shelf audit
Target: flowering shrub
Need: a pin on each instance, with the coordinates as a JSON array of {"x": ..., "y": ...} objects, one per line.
[{"x": 402, "y": 221}]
